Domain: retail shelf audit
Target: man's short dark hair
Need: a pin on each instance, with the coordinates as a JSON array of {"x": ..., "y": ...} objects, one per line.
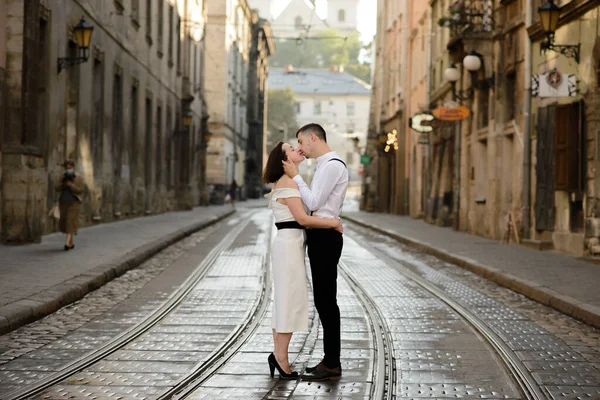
[{"x": 313, "y": 128}]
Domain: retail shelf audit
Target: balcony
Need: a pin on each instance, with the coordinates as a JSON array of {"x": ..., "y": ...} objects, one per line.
[{"x": 469, "y": 18}]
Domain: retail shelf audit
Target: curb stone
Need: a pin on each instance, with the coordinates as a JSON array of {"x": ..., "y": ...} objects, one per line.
[
  {"x": 44, "y": 303},
  {"x": 586, "y": 313}
]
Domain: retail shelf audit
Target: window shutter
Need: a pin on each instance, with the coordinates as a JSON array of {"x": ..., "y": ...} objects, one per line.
[
  {"x": 544, "y": 190},
  {"x": 567, "y": 147}
]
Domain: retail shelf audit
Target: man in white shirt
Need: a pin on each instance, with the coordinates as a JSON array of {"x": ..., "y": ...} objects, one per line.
[{"x": 324, "y": 199}]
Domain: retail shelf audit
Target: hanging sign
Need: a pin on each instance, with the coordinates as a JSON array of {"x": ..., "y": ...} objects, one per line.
[
  {"x": 365, "y": 159},
  {"x": 554, "y": 84},
  {"x": 457, "y": 113},
  {"x": 416, "y": 122}
]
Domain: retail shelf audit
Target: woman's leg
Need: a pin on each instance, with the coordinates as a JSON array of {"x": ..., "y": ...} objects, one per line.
[
  {"x": 69, "y": 239},
  {"x": 282, "y": 342}
]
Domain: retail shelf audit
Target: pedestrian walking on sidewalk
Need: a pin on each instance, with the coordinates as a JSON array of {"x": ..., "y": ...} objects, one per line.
[
  {"x": 233, "y": 192},
  {"x": 324, "y": 199},
  {"x": 70, "y": 186},
  {"x": 290, "y": 300}
]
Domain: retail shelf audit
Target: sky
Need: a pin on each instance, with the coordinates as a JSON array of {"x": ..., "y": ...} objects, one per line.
[{"x": 367, "y": 15}]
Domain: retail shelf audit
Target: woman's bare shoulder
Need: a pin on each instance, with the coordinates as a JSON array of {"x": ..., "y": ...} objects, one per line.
[{"x": 285, "y": 182}]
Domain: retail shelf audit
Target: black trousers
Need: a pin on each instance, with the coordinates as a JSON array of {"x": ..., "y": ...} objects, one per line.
[{"x": 324, "y": 251}]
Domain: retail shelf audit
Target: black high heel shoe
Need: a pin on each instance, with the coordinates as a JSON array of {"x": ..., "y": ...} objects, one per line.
[{"x": 282, "y": 374}]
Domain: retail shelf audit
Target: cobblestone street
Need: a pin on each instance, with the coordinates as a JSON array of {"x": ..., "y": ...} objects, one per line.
[{"x": 193, "y": 321}]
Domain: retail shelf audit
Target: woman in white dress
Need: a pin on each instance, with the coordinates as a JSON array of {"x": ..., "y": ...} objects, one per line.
[{"x": 290, "y": 304}]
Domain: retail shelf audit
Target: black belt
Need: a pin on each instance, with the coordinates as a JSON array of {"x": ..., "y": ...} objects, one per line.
[{"x": 288, "y": 225}]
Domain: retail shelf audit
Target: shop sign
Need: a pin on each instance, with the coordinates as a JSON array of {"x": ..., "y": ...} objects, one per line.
[
  {"x": 554, "y": 84},
  {"x": 365, "y": 159},
  {"x": 457, "y": 113},
  {"x": 416, "y": 122}
]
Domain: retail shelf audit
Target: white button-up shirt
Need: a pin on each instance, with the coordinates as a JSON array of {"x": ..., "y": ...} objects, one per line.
[{"x": 328, "y": 188}]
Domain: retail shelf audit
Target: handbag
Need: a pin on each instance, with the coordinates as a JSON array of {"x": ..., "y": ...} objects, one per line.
[{"x": 55, "y": 211}]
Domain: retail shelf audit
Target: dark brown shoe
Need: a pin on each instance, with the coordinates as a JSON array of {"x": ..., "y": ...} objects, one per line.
[
  {"x": 313, "y": 369},
  {"x": 322, "y": 373}
]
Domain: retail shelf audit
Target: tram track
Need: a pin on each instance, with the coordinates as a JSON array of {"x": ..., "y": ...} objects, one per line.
[
  {"x": 384, "y": 371},
  {"x": 204, "y": 368},
  {"x": 517, "y": 370}
]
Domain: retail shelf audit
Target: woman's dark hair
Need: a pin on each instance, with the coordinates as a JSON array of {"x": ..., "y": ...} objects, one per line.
[
  {"x": 69, "y": 162},
  {"x": 274, "y": 169}
]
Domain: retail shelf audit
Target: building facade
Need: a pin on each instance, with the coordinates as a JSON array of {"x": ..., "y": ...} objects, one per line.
[
  {"x": 337, "y": 101},
  {"x": 386, "y": 182},
  {"x": 119, "y": 115},
  {"x": 524, "y": 153},
  {"x": 236, "y": 86}
]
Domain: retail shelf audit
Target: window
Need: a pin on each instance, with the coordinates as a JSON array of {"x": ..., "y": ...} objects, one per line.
[
  {"x": 298, "y": 22},
  {"x": 148, "y": 148},
  {"x": 159, "y": 35},
  {"x": 317, "y": 108},
  {"x": 159, "y": 146},
  {"x": 98, "y": 111},
  {"x": 149, "y": 21},
  {"x": 483, "y": 98},
  {"x": 178, "y": 38},
  {"x": 169, "y": 139},
  {"x": 135, "y": 13},
  {"x": 511, "y": 85},
  {"x": 297, "y": 107},
  {"x": 341, "y": 15},
  {"x": 117, "y": 130},
  {"x": 170, "y": 39},
  {"x": 350, "y": 128},
  {"x": 133, "y": 114},
  {"x": 349, "y": 108}
]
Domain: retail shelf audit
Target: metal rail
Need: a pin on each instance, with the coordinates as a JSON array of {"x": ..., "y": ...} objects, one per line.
[
  {"x": 384, "y": 373},
  {"x": 218, "y": 358},
  {"x": 136, "y": 331},
  {"x": 520, "y": 374}
]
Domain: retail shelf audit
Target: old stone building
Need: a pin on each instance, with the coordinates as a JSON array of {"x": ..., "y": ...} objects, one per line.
[
  {"x": 386, "y": 178},
  {"x": 527, "y": 151},
  {"x": 119, "y": 114},
  {"x": 565, "y": 186},
  {"x": 233, "y": 36}
]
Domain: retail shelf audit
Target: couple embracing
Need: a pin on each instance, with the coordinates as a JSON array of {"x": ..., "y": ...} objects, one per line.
[{"x": 322, "y": 229}]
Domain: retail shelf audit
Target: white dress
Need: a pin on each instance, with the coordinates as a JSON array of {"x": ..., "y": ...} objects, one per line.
[{"x": 290, "y": 292}]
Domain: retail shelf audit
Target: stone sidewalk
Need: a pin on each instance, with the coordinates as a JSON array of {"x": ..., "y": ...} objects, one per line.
[
  {"x": 38, "y": 279},
  {"x": 562, "y": 282}
]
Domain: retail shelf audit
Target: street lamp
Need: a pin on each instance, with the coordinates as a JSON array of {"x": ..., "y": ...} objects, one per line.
[
  {"x": 472, "y": 63},
  {"x": 83, "y": 36},
  {"x": 549, "y": 16},
  {"x": 187, "y": 119}
]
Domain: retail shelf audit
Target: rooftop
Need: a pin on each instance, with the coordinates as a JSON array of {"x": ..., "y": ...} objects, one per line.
[{"x": 317, "y": 81}]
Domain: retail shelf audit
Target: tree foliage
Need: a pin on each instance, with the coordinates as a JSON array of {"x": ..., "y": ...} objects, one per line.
[
  {"x": 281, "y": 112},
  {"x": 322, "y": 50}
]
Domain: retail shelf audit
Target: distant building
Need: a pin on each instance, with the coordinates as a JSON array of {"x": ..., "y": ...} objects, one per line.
[
  {"x": 238, "y": 44},
  {"x": 336, "y": 100},
  {"x": 301, "y": 16}
]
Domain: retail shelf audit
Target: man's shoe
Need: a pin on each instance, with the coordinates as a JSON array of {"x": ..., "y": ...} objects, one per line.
[
  {"x": 310, "y": 370},
  {"x": 322, "y": 373}
]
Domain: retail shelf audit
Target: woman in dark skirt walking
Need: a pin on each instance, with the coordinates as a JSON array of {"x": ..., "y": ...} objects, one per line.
[{"x": 70, "y": 187}]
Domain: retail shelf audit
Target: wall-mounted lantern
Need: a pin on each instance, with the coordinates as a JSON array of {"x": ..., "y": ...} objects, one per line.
[
  {"x": 83, "y": 36},
  {"x": 187, "y": 119},
  {"x": 549, "y": 16}
]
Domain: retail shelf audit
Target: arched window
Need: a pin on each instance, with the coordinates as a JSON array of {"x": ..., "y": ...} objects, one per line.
[
  {"x": 342, "y": 15},
  {"x": 298, "y": 22}
]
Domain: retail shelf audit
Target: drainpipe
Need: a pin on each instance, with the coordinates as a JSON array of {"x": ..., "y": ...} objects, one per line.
[
  {"x": 428, "y": 102},
  {"x": 527, "y": 134},
  {"x": 457, "y": 159}
]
